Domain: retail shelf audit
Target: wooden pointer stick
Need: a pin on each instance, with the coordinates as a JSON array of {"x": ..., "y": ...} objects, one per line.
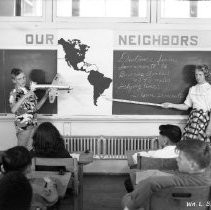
[
  {"x": 134, "y": 102},
  {"x": 34, "y": 86}
]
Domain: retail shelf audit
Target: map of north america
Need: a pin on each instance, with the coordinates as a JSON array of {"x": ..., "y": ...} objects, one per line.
[{"x": 75, "y": 54}]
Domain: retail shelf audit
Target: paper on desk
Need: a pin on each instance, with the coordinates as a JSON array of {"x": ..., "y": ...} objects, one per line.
[
  {"x": 144, "y": 174},
  {"x": 75, "y": 155}
]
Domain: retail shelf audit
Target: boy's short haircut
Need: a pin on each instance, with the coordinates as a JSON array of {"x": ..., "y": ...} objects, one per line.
[
  {"x": 196, "y": 150},
  {"x": 15, "y": 72},
  {"x": 16, "y": 159},
  {"x": 173, "y": 132},
  {"x": 15, "y": 192}
]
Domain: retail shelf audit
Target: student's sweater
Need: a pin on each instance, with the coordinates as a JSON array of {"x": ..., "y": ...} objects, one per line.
[{"x": 144, "y": 190}]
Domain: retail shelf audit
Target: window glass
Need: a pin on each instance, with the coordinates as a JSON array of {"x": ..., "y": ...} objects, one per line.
[
  {"x": 185, "y": 9},
  {"x": 64, "y": 8},
  {"x": 31, "y": 8},
  {"x": 204, "y": 9},
  {"x": 112, "y": 8},
  {"x": 102, "y": 8},
  {"x": 92, "y": 8},
  {"x": 20, "y": 8}
]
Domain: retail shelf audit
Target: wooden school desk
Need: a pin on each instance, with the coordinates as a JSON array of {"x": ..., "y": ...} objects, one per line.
[{"x": 84, "y": 159}]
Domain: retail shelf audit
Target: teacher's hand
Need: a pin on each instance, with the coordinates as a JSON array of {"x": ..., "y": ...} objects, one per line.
[{"x": 167, "y": 105}]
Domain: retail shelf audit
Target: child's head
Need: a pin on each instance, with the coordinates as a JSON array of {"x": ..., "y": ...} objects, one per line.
[
  {"x": 15, "y": 192},
  {"x": 18, "y": 77},
  {"x": 169, "y": 134},
  {"x": 194, "y": 155},
  {"x": 17, "y": 158},
  {"x": 47, "y": 139}
]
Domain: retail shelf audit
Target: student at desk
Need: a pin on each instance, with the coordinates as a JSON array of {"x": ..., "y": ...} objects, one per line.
[
  {"x": 19, "y": 159},
  {"x": 48, "y": 142},
  {"x": 15, "y": 192},
  {"x": 193, "y": 160},
  {"x": 169, "y": 136}
]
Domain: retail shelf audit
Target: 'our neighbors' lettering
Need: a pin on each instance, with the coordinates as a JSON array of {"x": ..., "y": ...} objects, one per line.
[
  {"x": 40, "y": 39},
  {"x": 158, "y": 40}
]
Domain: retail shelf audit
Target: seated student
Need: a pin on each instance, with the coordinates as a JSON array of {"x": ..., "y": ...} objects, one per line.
[
  {"x": 18, "y": 158},
  {"x": 15, "y": 192},
  {"x": 47, "y": 142},
  {"x": 169, "y": 136},
  {"x": 193, "y": 160}
]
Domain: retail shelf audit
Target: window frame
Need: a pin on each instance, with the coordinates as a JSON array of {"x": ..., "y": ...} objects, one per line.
[
  {"x": 190, "y": 20},
  {"x": 49, "y": 10},
  {"x": 74, "y": 19},
  {"x": 27, "y": 18}
]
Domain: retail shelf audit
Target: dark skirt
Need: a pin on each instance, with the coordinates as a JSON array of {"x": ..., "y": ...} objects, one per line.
[{"x": 196, "y": 126}]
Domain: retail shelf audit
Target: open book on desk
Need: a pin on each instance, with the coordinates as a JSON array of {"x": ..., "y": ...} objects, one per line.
[
  {"x": 144, "y": 174},
  {"x": 75, "y": 155}
]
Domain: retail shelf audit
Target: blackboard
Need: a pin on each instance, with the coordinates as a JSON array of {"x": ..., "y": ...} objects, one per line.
[
  {"x": 39, "y": 65},
  {"x": 154, "y": 76}
]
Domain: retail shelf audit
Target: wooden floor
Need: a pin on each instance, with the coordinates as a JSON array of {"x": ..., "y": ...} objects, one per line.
[{"x": 100, "y": 192}]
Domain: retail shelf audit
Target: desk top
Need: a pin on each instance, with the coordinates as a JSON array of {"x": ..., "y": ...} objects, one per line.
[
  {"x": 130, "y": 161},
  {"x": 86, "y": 158},
  {"x": 61, "y": 180},
  {"x": 83, "y": 158}
]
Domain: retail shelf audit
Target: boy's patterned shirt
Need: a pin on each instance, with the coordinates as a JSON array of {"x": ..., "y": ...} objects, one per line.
[{"x": 25, "y": 116}]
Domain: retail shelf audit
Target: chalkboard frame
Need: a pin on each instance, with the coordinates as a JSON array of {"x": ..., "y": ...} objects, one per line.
[{"x": 124, "y": 61}]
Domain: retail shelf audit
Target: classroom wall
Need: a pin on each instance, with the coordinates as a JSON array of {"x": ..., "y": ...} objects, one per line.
[
  {"x": 7, "y": 131},
  {"x": 94, "y": 126},
  {"x": 102, "y": 123}
]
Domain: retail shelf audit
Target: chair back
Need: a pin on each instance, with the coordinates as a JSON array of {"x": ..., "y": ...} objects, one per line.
[
  {"x": 181, "y": 198},
  {"x": 61, "y": 169},
  {"x": 153, "y": 145},
  {"x": 156, "y": 163},
  {"x": 70, "y": 164}
]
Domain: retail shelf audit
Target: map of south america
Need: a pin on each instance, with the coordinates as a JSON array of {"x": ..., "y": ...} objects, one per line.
[{"x": 75, "y": 54}]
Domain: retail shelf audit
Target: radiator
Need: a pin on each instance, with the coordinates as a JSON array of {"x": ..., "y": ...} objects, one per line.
[{"x": 109, "y": 147}]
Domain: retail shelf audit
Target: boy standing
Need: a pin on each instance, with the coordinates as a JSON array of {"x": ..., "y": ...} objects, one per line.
[
  {"x": 23, "y": 103},
  {"x": 193, "y": 160}
]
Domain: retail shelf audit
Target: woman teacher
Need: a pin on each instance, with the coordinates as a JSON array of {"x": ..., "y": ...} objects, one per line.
[{"x": 199, "y": 99}]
